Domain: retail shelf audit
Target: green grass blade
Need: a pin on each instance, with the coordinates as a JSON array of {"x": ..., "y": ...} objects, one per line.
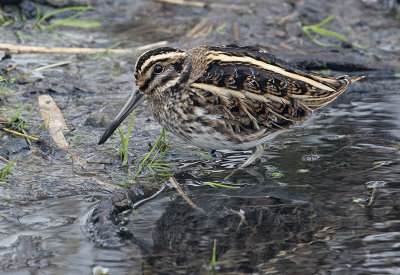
[
  {"x": 161, "y": 166},
  {"x": 205, "y": 155},
  {"x": 318, "y": 30},
  {"x": 125, "y": 141},
  {"x": 6, "y": 169},
  {"x": 319, "y": 43},
  {"x": 37, "y": 129},
  {"x": 356, "y": 45},
  {"x": 38, "y": 14},
  {"x": 329, "y": 18},
  {"x": 50, "y": 14},
  {"x": 116, "y": 149},
  {"x": 163, "y": 175},
  {"x": 164, "y": 147},
  {"x": 16, "y": 115},
  {"x": 78, "y": 23},
  {"x": 61, "y": 22},
  {"x": 123, "y": 152},
  {"x": 128, "y": 133},
  {"x": 150, "y": 169},
  {"x": 21, "y": 125},
  {"x": 214, "y": 257},
  {"x": 326, "y": 32},
  {"x": 214, "y": 184},
  {"x": 151, "y": 151},
  {"x": 156, "y": 153}
]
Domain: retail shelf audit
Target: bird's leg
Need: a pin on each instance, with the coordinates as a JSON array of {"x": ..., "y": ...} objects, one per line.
[{"x": 257, "y": 152}]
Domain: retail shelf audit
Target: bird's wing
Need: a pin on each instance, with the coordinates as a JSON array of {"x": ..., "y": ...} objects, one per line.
[{"x": 264, "y": 87}]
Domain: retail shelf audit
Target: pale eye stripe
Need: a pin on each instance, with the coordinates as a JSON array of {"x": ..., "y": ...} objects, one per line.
[
  {"x": 269, "y": 67},
  {"x": 169, "y": 84},
  {"x": 158, "y": 57}
]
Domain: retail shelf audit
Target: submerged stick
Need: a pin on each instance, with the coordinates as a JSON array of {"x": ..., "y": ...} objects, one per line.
[
  {"x": 111, "y": 186},
  {"x": 63, "y": 50},
  {"x": 178, "y": 188},
  {"x": 371, "y": 199}
]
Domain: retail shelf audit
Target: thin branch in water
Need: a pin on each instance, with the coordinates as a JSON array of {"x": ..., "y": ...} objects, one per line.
[{"x": 178, "y": 188}]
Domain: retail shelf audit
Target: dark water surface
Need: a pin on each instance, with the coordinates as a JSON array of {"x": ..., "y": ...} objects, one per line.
[{"x": 323, "y": 199}]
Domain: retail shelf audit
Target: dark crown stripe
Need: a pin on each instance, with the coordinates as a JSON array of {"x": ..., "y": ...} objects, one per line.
[
  {"x": 150, "y": 53},
  {"x": 154, "y": 55}
]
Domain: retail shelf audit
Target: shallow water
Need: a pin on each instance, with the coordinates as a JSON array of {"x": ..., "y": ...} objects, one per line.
[
  {"x": 330, "y": 193},
  {"x": 323, "y": 199},
  {"x": 297, "y": 214}
]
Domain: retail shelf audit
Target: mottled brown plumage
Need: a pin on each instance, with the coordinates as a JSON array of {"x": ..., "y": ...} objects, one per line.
[{"x": 228, "y": 97}]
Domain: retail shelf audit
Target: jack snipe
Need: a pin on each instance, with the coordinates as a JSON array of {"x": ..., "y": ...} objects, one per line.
[{"x": 227, "y": 97}]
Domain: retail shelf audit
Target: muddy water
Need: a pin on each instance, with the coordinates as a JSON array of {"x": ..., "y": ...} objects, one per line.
[{"x": 309, "y": 206}]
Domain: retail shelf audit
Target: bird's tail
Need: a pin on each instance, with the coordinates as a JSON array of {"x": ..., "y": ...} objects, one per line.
[{"x": 322, "y": 97}]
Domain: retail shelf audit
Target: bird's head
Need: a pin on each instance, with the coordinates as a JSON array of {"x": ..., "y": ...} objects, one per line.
[{"x": 157, "y": 72}]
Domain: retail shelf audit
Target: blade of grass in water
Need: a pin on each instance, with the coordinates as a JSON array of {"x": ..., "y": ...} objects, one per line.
[
  {"x": 70, "y": 21},
  {"x": 50, "y": 14},
  {"x": 6, "y": 169},
  {"x": 324, "y": 32},
  {"x": 77, "y": 23},
  {"x": 214, "y": 184},
  {"x": 125, "y": 140},
  {"x": 214, "y": 257},
  {"x": 152, "y": 161},
  {"x": 205, "y": 155}
]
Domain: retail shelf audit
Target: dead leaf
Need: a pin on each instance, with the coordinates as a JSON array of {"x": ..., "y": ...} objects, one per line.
[{"x": 54, "y": 120}]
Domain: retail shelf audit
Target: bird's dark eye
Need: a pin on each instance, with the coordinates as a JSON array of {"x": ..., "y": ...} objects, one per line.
[{"x": 158, "y": 69}]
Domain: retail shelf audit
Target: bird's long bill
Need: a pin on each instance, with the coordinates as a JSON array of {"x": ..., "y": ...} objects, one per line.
[{"x": 134, "y": 100}]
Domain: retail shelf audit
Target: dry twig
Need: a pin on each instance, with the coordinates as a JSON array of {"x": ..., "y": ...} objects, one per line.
[
  {"x": 5, "y": 160},
  {"x": 20, "y": 134},
  {"x": 203, "y": 4},
  {"x": 196, "y": 28},
  {"x": 111, "y": 186},
  {"x": 49, "y": 66},
  {"x": 235, "y": 31},
  {"x": 63, "y": 50},
  {"x": 12, "y": 67}
]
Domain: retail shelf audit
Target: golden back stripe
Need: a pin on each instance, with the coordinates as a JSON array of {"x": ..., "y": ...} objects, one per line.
[
  {"x": 225, "y": 92},
  {"x": 228, "y": 58}
]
